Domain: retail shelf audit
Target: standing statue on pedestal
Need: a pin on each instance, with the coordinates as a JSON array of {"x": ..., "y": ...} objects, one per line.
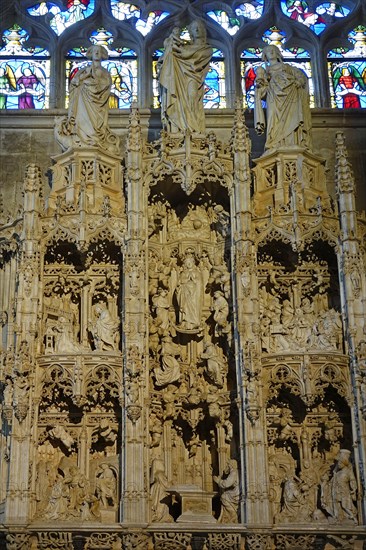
[
  {"x": 105, "y": 329},
  {"x": 190, "y": 293},
  {"x": 182, "y": 73},
  {"x": 285, "y": 89},
  {"x": 230, "y": 496},
  {"x": 87, "y": 120}
]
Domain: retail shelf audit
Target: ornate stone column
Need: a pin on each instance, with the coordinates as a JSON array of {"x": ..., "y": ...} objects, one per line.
[{"x": 134, "y": 490}]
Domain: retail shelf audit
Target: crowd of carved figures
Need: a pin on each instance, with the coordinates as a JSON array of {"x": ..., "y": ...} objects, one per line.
[{"x": 190, "y": 337}]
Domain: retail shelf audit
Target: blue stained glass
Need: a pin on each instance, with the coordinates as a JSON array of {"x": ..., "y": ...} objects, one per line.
[
  {"x": 76, "y": 10},
  {"x": 331, "y": 9},
  {"x": 154, "y": 17},
  {"x": 250, "y": 10},
  {"x": 124, "y": 83},
  {"x": 24, "y": 72},
  {"x": 24, "y": 84},
  {"x": 317, "y": 19},
  {"x": 358, "y": 37},
  {"x": 230, "y": 24},
  {"x": 123, "y": 11}
]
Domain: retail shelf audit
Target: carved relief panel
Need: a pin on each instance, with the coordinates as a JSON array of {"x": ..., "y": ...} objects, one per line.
[
  {"x": 79, "y": 385},
  {"x": 299, "y": 299},
  {"x": 192, "y": 374}
]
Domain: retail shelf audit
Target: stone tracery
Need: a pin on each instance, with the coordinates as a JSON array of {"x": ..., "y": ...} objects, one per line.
[{"x": 181, "y": 346}]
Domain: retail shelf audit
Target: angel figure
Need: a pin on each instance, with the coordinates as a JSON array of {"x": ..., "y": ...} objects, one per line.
[
  {"x": 7, "y": 84},
  {"x": 349, "y": 86},
  {"x": 31, "y": 82}
]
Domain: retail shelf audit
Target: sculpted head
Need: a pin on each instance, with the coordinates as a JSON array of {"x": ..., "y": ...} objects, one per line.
[
  {"x": 97, "y": 53},
  {"x": 197, "y": 30},
  {"x": 272, "y": 53}
]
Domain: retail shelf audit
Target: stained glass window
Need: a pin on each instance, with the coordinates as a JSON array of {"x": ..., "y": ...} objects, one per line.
[
  {"x": 347, "y": 72},
  {"x": 230, "y": 24},
  {"x": 214, "y": 96},
  {"x": 123, "y": 11},
  {"x": 250, "y": 10},
  {"x": 314, "y": 16},
  {"x": 24, "y": 72},
  {"x": 59, "y": 20},
  {"x": 154, "y": 17},
  {"x": 251, "y": 60},
  {"x": 121, "y": 64}
]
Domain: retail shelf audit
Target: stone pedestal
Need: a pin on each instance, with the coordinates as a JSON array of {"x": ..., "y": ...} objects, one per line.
[{"x": 196, "y": 504}]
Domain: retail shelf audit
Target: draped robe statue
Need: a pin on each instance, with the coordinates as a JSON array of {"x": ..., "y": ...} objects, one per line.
[
  {"x": 285, "y": 89},
  {"x": 87, "y": 120},
  {"x": 182, "y": 72}
]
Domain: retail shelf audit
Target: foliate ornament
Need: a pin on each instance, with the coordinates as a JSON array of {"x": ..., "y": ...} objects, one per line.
[
  {"x": 224, "y": 541},
  {"x": 172, "y": 541},
  {"x": 137, "y": 541},
  {"x": 18, "y": 541},
  {"x": 295, "y": 542},
  {"x": 195, "y": 160},
  {"x": 259, "y": 542},
  {"x": 55, "y": 541},
  {"x": 134, "y": 412},
  {"x": 336, "y": 377},
  {"x": 103, "y": 541}
]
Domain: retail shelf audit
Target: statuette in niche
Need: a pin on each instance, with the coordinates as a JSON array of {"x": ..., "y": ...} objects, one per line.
[
  {"x": 341, "y": 490},
  {"x": 58, "y": 433},
  {"x": 159, "y": 493},
  {"x": 105, "y": 329},
  {"x": 230, "y": 495},
  {"x": 106, "y": 485},
  {"x": 169, "y": 371},
  {"x": 64, "y": 340},
  {"x": 216, "y": 366},
  {"x": 220, "y": 309},
  {"x": 190, "y": 295}
]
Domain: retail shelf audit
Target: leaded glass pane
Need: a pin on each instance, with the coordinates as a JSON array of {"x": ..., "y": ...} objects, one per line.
[
  {"x": 24, "y": 72},
  {"x": 123, "y": 11},
  {"x": 230, "y": 24},
  {"x": 314, "y": 16},
  {"x": 59, "y": 20},
  {"x": 154, "y": 17},
  {"x": 214, "y": 96},
  {"x": 348, "y": 84},
  {"x": 250, "y": 10}
]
